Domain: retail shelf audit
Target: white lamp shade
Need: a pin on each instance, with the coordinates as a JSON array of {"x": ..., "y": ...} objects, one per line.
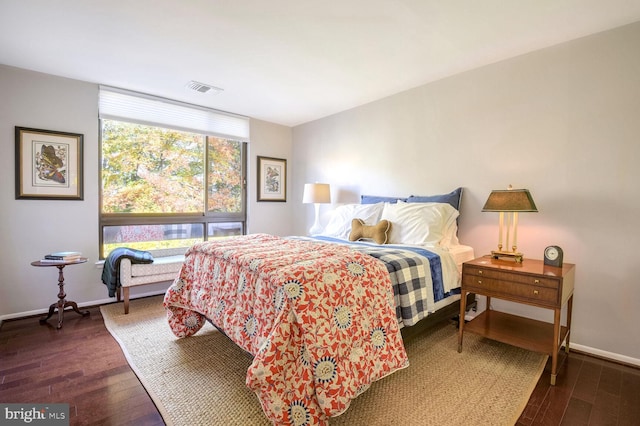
[{"x": 316, "y": 193}]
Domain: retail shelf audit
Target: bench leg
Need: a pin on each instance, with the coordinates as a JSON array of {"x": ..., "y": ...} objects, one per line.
[
  {"x": 119, "y": 294},
  {"x": 126, "y": 300}
]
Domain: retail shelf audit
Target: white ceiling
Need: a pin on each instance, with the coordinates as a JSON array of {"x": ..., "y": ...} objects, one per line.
[{"x": 287, "y": 61}]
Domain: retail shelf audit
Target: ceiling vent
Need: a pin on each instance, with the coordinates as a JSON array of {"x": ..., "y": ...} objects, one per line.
[{"x": 203, "y": 88}]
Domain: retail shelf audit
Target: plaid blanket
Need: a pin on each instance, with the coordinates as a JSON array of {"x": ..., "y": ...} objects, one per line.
[
  {"x": 111, "y": 269},
  {"x": 417, "y": 276}
]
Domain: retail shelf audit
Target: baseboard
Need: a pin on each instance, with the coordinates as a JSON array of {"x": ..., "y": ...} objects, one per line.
[
  {"x": 82, "y": 305},
  {"x": 598, "y": 353}
]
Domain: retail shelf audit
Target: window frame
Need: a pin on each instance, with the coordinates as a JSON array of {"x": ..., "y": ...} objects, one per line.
[{"x": 204, "y": 218}]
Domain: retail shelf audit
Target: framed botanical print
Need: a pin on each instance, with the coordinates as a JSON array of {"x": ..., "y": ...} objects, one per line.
[
  {"x": 272, "y": 179},
  {"x": 48, "y": 164}
]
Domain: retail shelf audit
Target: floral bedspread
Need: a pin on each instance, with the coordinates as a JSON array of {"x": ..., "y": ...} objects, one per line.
[{"x": 318, "y": 318}]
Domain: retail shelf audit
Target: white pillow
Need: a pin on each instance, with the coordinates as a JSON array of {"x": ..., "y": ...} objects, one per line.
[
  {"x": 420, "y": 223},
  {"x": 339, "y": 225}
]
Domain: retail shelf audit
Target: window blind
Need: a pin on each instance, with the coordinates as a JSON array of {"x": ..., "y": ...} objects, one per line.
[{"x": 123, "y": 105}]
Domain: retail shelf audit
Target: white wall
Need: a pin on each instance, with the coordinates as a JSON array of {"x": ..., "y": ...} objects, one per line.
[
  {"x": 274, "y": 217},
  {"x": 563, "y": 122},
  {"x": 31, "y": 228}
]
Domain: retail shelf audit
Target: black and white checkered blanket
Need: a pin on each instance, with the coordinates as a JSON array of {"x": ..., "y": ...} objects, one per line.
[{"x": 416, "y": 274}]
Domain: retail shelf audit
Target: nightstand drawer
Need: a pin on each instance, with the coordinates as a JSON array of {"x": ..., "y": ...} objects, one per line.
[
  {"x": 510, "y": 289},
  {"x": 510, "y": 276}
]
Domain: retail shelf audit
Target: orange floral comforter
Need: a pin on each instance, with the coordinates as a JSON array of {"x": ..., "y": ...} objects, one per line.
[{"x": 318, "y": 318}]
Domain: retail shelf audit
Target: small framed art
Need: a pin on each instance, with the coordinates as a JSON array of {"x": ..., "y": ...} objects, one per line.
[
  {"x": 48, "y": 164},
  {"x": 272, "y": 179}
]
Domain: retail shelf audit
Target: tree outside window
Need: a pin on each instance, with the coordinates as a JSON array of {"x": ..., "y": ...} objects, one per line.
[{"x": 154, "y": 190}]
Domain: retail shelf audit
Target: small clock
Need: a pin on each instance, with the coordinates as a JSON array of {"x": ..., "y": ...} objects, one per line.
[{"x": 553, "y": 256}]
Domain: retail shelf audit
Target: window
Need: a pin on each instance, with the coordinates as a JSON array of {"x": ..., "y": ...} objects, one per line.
[{"x": 167, "y": 185}]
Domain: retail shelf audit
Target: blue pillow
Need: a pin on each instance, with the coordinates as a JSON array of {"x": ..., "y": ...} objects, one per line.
[
  {"x": 452, "y": 198},
  {"x": 373, "y": 199}
]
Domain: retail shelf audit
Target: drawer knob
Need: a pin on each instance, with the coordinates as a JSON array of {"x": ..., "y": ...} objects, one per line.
[
  {"x": 536, "y": 281},
  {"x": 479, "y": 272},
  {"x": 535, "y": 291},
  {"x": 479, "y": 281}
]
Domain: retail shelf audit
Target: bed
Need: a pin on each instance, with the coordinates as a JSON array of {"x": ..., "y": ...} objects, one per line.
[{"x": 322, "y": 315}]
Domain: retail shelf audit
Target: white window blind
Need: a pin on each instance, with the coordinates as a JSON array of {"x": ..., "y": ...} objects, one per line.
[{"x": 122, "y": 105}]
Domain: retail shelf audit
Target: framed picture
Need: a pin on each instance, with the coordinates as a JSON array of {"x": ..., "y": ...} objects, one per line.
[
  {"x": 48, "y": 165},
  {"x": 272, "y": 179}
]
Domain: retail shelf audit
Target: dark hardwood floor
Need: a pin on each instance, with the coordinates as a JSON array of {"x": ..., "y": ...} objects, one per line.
[
  {"x": 81, "y": 364},
  {"x": 588, "y": 391}
]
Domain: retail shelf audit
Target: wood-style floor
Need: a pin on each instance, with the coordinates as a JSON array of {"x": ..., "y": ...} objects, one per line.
[{"x": 81, "y": 364}]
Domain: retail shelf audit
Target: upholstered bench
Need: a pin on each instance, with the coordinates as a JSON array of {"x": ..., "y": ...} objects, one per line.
[{"x": 165, "y": 267}]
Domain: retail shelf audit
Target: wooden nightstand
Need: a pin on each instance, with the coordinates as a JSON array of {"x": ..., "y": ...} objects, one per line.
[{"x": 529, "y": 282}]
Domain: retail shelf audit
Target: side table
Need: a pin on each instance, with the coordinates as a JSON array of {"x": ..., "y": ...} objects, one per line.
[
  {"x": 529, "y": 282},
  {"x": 62, "y": 302}
]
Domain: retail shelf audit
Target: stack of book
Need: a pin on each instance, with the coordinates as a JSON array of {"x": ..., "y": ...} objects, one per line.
[{"x": 62, "y": 256}]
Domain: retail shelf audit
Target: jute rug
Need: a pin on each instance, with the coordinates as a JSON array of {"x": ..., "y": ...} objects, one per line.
[{"x": 200, "y": 380}]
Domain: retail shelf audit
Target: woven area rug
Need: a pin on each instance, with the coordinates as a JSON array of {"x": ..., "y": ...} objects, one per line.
[{"x": 200, "y": 380}]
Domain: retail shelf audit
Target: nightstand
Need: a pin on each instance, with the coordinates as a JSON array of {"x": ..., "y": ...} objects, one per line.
[{"x": 529, "y": 282}]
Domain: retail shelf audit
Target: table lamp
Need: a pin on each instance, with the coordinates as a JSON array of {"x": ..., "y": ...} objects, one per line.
[
  {"x": 509, "y": 202},
  {"x": 316, "y": 193}
]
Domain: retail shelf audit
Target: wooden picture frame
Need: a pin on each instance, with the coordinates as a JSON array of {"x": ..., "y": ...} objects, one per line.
[
  {"x": 48, "y": 165},
  {"x": 272, "y": 179}
]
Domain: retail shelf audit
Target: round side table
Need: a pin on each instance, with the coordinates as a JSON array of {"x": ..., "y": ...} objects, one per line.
[{"x": 62, "y": 302}]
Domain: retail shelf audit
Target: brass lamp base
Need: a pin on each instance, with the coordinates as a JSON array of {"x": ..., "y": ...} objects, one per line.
[{"x": 517, "y": 257}]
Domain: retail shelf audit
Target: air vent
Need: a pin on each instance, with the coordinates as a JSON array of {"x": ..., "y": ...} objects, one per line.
[{"x": 203, "y": 88}]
